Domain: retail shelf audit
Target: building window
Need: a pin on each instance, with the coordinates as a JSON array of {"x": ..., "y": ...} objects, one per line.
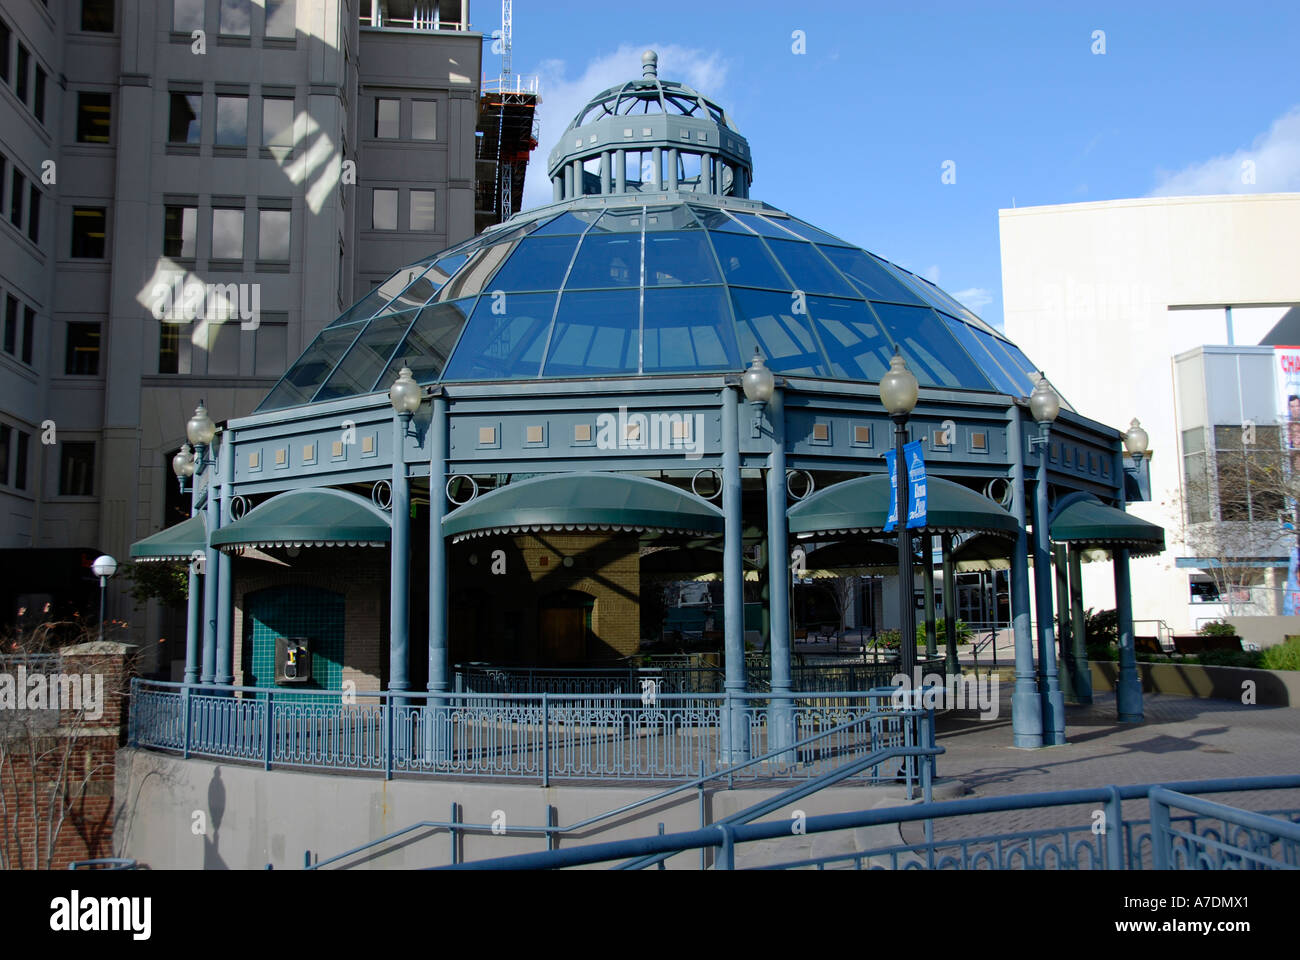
[
  {"x": 89, "y": 228},
  {"x": 10, "y": 340},
  {"x": 94, "y": 117},
  {"x": 232, "y": 122},
  {"x": 183, "y": 121},
  {"x": 97, "y": 16},
  {"x": 277, "y": 122},
  {"x": 223, "y": 349},
  {"x": 273, "y": 234},
  {"x": 187, "y": 15},
  {"x": 227, "y": 234},
  {"x": 6, "y": 442},
  {"x": 179, "y": 231},
  {"x": 34, "y": 214},
  {"x": 383, "y": 213},
  {"x": 82, "y": 357},
  {"x": 20, "y": 461},
  {"x": 38, "y": 96},
  {"x": 422, "y": 202},
  {"x": 76, "y": 469},
  {"x": 387, "y": 111},
  {"x": 20, "y": 81},
  {"x": 424, "y": 120},
  {"x": 1248, "y": 471},
  {"x": 4, "y": 51},
  {"x": 29, "y": 331},
  {"x": 3, "y": 167},
  {"x": 271, "y": 345},
  {"x": 236, "y": 18},
  {"x": 16, "y": 200},
  {"x": 279, "y": 19},
  {"x": 169, "y": 347},
  {"x": 1196, "y": 493}
]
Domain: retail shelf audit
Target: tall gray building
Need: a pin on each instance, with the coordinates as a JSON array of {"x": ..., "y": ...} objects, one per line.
[{"x": 191, "y": 189}]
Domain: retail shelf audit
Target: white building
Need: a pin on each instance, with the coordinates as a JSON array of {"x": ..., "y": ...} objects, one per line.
[{"x": 1167, "y": 309}]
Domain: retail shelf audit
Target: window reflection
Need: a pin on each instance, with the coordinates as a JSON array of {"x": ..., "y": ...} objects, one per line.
[{"x": 504, "y": 339}]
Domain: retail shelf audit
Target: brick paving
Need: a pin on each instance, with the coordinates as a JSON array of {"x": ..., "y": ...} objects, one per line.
[{"x": 1181, "y": 738}]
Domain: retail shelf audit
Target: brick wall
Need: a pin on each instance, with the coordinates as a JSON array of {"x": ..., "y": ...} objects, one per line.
[
  {"x": 360, "y": 574},
  {"x": 74, "y": 762}
]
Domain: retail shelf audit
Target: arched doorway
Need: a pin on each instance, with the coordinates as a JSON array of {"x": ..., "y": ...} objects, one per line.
[{"x": 564, "y": 626}]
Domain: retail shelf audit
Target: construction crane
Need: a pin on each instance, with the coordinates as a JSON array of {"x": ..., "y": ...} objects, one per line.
[{"x": 507, "y": 130}]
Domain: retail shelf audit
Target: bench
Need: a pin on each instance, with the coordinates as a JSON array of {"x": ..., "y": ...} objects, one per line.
[
  {"x": 1147, "y": 645},
  {"x": 1194, "y": 643}
]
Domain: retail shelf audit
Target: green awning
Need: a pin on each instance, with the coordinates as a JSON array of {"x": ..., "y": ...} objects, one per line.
[
  {"x": 583, "y": 501},
  {"x": 861, "y": 505},
  {"x": 1087, "y": 522},
  {"x": 308, "y": 518},
  {"x": 982, "y": 552},
  {"x": 855, "y": 557},
  {"x": 178, "y": 542}
]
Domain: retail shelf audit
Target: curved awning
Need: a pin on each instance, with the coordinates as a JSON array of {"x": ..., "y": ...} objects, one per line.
[
  {"x": 583, "y": 501},
  {"x": 1087, "y": 522},
  {"x": 861, "y": 505},
  {"x": 848, "y": 558},
  {"x": 178, "y": 542},
  {"x": 308, "y": 518},
  {"x": 982, "y": 552}
]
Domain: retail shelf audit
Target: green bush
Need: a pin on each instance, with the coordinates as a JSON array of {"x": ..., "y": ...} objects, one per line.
[
  {"x": 1101, "y": 628},
  {"x": 889, "y": 639},
  {"x": 1285, "y": 656},
  {"x": 1217, "y": 628},
  {"x": 1229, "y": 658},
  {"x": 1102, "y": 652},
  {"x": 941, "y": 632}
]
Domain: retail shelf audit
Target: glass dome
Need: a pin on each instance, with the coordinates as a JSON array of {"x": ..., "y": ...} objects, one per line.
[{"x": 601, "y": 290}]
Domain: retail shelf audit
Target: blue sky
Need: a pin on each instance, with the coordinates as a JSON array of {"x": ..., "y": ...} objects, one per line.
[{"x": 853, "y": 134}]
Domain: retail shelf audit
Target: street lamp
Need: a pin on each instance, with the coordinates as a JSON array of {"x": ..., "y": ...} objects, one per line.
[
  {"x": 1136, "y": 440},
  {"x": 103, "y": 567},
  {"x": 183, "y": 464},
  {"x": 1045, "y": 406},
  {"x": 405, "y": 396},
  {"x": 898, "y": 392}
]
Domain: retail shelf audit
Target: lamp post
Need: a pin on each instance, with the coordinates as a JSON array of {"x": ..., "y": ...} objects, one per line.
[
  {"x": 183, "y": 465},
  {"x": 898, "y": 392},
  {"x": 103, "y": 567},
  {"x": 1128, "y": 690},
  {"x": 404, "y": 395},
  {"x": 1045, "y": 406},
  {"x": 200, "y": 430},
  {"x": 1136, "y": 440}
]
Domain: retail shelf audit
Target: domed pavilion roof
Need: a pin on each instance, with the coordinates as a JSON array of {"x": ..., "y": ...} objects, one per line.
[{"x": 656, "y": 280}]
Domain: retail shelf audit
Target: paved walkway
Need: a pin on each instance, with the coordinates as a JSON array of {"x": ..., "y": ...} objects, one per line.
[{"x": 1181, "y": 738}]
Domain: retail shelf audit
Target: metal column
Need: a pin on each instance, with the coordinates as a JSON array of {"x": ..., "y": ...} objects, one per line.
[
  {"x": 951, "y": 664},
  {"x": 438, "y": 672},
  {"x": 1053, "y": 702},
  {"x": 211, "y": 566},
  {"x": 225, "y": 581},
  {"x": 927, "y": 583},
  {"x": 1065, "y": 626},
  {"x": 1078, "y": 630},
  {"x": 781, "y": 712},
  {"x": 399, "y": 561},
  {"x": 1026, "y": 706},
  {"x": 735, "y": 733}
]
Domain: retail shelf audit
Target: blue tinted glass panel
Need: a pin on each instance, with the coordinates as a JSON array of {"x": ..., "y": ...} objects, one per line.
[
  {"x": 761, "y": 226},
  {"x": 926, "y": 290},
  {"x": 932, "y": 353},
  {"x": 949, "y": 304},
  {"x": 310, "y": 370},
  {"x": 607, "y": 260},
  {"x": 477, "y": 271},
  {"x": 670, "y": 218},
  {"x": 361, "y": 366},
  {"x": 573, "y": 222},
  {"x": 503, "y": 346},
  {"x": 1017, "y": 363},
  {"x": 442, "y": 270},
  {"x": 809, "y": 270},
  {"x": 619, "y": 221},
  {"x": 810, "y": 233},
  {"x": 688, "y": 329},
  {"x": 539, "y": 264},
  {"x": 672, "y": 259},
  {"x": 873, "y": 279},
  {"x": 765, "y": 320},
  {"x": 975, "y": 347},
  {"x": 745, "y": 261},
  {"x": 597, "y": 333},
  {"x": 365, "y": 308},
  {"x": 856, "y": 345},
  {"x": 429, "y": 342},
  {"x": 717, "y": 220}
]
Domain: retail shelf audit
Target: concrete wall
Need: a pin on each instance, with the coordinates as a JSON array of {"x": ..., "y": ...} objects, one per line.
[
  {"x": 250, "y": 818},
  {"x": 1271, "y": 688},
  {"x": 1266, "y": 631},
  {"x": 1087, "y": 291}
]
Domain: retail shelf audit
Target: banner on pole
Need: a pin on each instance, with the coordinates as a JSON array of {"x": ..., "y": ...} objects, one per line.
[
  {"x": 916, "y": 484},
  {"x": 892, "y": 519}
]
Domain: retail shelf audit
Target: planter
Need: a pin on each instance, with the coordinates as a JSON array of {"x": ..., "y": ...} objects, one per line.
[{"x": 1272, "y": 688}]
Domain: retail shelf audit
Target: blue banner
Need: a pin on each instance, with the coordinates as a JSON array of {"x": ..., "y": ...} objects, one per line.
[
  {"x": 892, "y": 519},
  {"x": 915, "y": 484},
  {"x": 1289, "y": 598}
]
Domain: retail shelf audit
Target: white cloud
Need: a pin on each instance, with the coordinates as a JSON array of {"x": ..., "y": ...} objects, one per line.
[
  {"x": 564, "y": 95},
  {"x": 932, "y": 274},
  {"x": 1270, "y": 165},
  {"x": 974, "y": 298}
]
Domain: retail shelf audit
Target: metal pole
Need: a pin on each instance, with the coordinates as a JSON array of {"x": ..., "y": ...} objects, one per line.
[
  {"x": 400, "y": 573},
  {"x": 225, "y": 467},
  {"x": 951, "y": 664},
  {"x": 1082, "y": 669},
  {"x": 1026, "y": 708},
  {"x": 103, "y": 587},
  {"x": 210, "y": 566},
  {"x": 193, "y": 607},
  {"x": 780, "y": 711},
  {"x": 437, "y": 548},
  {"x": 733, "y": 597},
  {"x": 1065, "y": 626},
  {"x": 1128, "y": 692},
  {"x": 927, "y": 581},
  {"x": 1053, "y": 702},
  {"x": 906, "y": 612}
]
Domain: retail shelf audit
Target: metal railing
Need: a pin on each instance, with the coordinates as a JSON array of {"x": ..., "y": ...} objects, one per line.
[
  {"x": 650, "y": 736},
  {"x": 1164, "y": 633},
  {"x": 916, "y": 767},
  {"x": 1212, "y": 834}
]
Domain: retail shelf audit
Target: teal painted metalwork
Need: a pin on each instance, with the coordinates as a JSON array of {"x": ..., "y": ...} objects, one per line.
[{"x": 294, "y": 611}]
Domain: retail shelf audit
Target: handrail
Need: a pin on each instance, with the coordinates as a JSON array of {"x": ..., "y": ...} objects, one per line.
[
  {"x": 727, "y": 835},
  {"x": 728, "y": 770}
]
